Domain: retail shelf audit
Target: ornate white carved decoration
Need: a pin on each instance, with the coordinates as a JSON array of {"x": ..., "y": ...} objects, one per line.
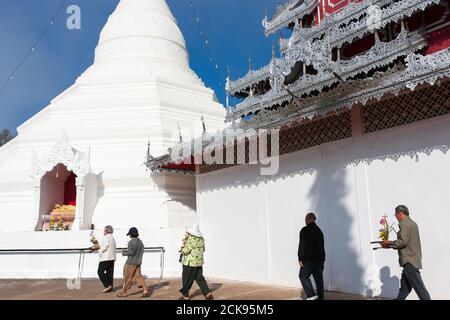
[
  {"x": 352, "y": 21},
  {"x": 293, "y": 9},
  {"x": 159, "y": 171},
  {"x": 396, "y": 156},
  {"x": 260, "y": 179},
  {"x": 62, "y": 153},
  {"x": 349, "y": 25},
  {"x": 313, "y": 47},
  {"x": 344, "y": 26},
  {"x": 381, "y": 54},
  {"x": 419, "y": 70},
  {"x": 252, "y": 77}
]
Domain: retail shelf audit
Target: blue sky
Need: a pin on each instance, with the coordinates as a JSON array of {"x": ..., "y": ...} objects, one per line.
[{"x": 233, "y": 27}]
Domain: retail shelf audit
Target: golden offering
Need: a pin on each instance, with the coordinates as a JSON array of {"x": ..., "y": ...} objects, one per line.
[{"x": 61, "y": 218}]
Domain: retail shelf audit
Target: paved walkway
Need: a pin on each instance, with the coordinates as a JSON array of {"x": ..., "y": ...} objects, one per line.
[{"x": 90, "y": 289}]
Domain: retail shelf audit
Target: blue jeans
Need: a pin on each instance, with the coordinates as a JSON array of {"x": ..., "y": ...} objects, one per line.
[
  {"x": 315, "y": 269},
  {"x": 411, "y": 279}
]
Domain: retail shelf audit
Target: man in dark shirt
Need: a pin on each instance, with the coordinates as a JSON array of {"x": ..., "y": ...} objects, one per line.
[{"x": 311, "y": 257}]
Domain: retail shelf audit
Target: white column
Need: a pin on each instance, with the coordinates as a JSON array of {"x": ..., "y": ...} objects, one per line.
[
  {"x": 36, "y": 216},
  {"x": 79, "y": 213}
]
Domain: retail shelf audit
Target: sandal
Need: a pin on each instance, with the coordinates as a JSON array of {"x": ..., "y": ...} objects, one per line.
[
  {"x": 107, "y": 290},
  {"x": 145, "y": 295},
  {"x": 122, "y": 295},
  {"x": 184, "y": 298}
]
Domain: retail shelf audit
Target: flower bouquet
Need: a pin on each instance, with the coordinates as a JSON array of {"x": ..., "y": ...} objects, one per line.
[
  {"x": 383, "y": 232},
  {"x": 96, "y": 245}
]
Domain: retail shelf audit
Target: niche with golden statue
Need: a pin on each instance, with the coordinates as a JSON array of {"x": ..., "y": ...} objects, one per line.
[
  {"x": 60, "y": 219},
  {"x": 58, "y": 199}
]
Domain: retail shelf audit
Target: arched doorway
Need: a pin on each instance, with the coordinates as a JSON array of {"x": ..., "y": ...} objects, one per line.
[
  {"x": 58, "y": 199},
  {"x": 63, "y": 178}
]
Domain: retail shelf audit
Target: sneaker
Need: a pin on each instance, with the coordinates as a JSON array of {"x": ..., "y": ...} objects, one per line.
[
  {"x": 316, "y": 297},
  {"x": 184, "y": 298}
]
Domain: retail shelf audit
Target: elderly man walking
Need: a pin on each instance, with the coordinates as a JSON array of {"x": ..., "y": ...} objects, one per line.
[
  {"x": 311, "y": 257},
  {"x": 107, "y": 258},
  {"x": 410, "y": 255}
]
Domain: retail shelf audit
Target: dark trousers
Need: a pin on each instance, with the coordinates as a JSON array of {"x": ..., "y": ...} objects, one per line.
[
  {"x": 315, "y": 269},
  {"x": 191, "y": 274},
  {"x": 106, "y": 273},
  {"x": 411, "y": 279}
]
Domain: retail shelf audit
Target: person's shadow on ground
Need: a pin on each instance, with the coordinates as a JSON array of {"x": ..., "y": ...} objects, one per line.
[
  {"x": 158, "y": 286},
  {"x": 151, "y": 288},
  {"x": 213, "y": 287}
]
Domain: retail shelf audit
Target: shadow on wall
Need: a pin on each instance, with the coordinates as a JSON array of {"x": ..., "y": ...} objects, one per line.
[
  {"x": 390, "y": 286},
  {"x": 180, "y": 188},
  {"x": 334, "y": 199},
  {"x": 100, "y": 186},
  {"x": 100, "y": 194},
  {"x": 343, "y": 271}
]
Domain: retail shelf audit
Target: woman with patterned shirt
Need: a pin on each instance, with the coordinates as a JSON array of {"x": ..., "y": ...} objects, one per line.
[{"x": 192, "y": 261}]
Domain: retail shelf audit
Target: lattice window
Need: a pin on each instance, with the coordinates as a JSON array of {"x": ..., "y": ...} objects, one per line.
[
  {"x": 296, "y": 138},
  {"x": 243, "y": 153},
  {"x": 204, "y": 168},
  {"x": 424, "y": 103},
  {"x": 315, "y": 133},
  {"x": 421, "y": 104}
]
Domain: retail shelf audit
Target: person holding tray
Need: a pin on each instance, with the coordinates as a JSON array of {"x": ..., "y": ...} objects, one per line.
[{"x": 410, "y": 255}]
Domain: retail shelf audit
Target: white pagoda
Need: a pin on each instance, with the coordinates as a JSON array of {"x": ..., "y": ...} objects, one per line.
[{"x": 82, "y": 156}]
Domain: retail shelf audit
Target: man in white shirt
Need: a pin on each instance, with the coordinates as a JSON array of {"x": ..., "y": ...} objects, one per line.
[{"x": 107, "y": 254}]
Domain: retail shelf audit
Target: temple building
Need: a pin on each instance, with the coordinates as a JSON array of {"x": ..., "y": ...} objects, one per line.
[
  {"x": 80, "y": 162},
  {"x": 360, "y": 94}
]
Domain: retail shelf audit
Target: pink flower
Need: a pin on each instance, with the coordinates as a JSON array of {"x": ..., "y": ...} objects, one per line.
[{"x": 382, "y": 221}]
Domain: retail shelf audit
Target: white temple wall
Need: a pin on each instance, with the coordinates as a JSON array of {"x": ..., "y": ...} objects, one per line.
[
  {"x": 350, "y": 184},
  {"x": 421, "y": 181},
  {"x": 17, "y": 196},
  {"x": 234, "y": 225}
]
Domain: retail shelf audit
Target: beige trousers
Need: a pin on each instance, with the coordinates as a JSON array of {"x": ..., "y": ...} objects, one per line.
[{"x": 130, "y": 272}]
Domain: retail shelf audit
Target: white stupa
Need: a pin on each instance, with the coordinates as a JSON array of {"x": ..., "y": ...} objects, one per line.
[{"x": 139, "y": 89}]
